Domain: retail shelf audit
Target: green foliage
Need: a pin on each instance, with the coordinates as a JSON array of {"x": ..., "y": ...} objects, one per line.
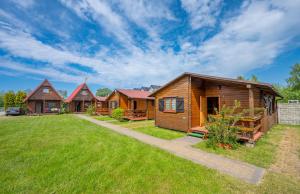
[
  {"x": 91, "y": 110},
  {"x": 288, "y": 93},
  {"x": 254, "y": 78},
  {"x": 118, "y": 114},
  {"x": 294, "y": 79},
  {"x": 222, "y": 129},
  {"x": 1, "y": 99},
  {"x": 19, "y": 99},
  {"x": 64, "y": 108},
  {"x": 9, "y": 99},
  {"x": 240, "y": 77},
  {"x": 103, "y": 92}
]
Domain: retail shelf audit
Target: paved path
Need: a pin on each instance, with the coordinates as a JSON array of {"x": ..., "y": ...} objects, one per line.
[{"x": 241, "y": 170}]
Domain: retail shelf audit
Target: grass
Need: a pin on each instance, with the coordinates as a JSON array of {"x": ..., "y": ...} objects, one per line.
[
  {"x": 263, "y": 154},
  {"x": 146, "y": 126},
  {"x": 64, "y": 154}
]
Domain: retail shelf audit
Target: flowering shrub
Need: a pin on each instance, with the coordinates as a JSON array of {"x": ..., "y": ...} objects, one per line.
[{"x": 222, "y": 128}]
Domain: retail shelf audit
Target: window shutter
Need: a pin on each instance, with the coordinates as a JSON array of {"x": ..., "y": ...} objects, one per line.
[
  {"x": 179, "y": 104},
  {"x": 161, "y": 105}
]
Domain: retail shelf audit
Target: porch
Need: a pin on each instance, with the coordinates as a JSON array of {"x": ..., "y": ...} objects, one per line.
[
  {"x": 135, "y": 115},
  {"x": 102, "y": 111},
  {"x": 251, "y": 128}
]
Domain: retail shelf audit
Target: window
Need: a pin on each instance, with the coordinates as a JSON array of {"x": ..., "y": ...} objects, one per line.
[
  {"x": 46, "y": 90},
  {"x": 84, "y": 92},
  {"x": 170, "y": 105},
  {"x": 51, "y": 105},
  {"x": 113, "y": 104}
]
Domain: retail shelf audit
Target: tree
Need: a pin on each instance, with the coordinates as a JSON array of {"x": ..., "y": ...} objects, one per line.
[
  {"x": 294, "y": 79},
  {"x": 240, "y": 77},
  {"x": 63, "y": 93},
  {"x": 288, "y": 93},
  {"x": 103, "y": 92},
  {"x": 19, "y": 99},
  {"x": 254, "y": 78},
  {"x": 1, "y": 98},
  {"x": 9, "y": 99}
]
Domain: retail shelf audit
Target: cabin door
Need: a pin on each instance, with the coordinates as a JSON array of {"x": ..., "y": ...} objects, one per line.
[
  {"x": 77, "y": 106},
  {"x": 134, "y": 105},
  {"x": 212, "y": 105},
  {"x": 39, "y": 107}
]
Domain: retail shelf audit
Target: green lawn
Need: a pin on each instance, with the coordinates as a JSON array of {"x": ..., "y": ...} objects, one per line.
[
  {"x": 64, "y": 154},
  {"x": 263, "y": 154},
  {"x": 146, "y": 127}
]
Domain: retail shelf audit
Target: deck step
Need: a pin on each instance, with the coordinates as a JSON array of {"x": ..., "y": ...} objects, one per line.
[{"x": 200, "y": 135}]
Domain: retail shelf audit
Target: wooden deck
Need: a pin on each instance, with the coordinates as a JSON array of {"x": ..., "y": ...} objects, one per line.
[{"x": 136, "y": 115}]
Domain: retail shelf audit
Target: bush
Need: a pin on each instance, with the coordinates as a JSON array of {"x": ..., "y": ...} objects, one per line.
[
  {"x": 63, "y": 108},
  {"x": 118, "y": 114},
  {"x": 91, "y": 110},
  {"x": 222, "y": 129}
]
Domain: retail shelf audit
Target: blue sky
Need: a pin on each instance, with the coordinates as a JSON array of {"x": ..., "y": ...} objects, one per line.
[{"x": 126, "y": 44}]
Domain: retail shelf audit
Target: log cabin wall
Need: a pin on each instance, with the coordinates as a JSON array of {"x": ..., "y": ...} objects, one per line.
[
  {"x": 195, "y": 92},
  {"x": 39, "y": 94},
  {"x": 178, "y": 121},
  {"x": 123, "y": 101},
  {"x": 113, "y": 98},
  {"x": 44, "y": 94}
]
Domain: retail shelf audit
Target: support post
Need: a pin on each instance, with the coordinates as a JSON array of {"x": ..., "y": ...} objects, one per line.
[{"x": 251, "y": 100}]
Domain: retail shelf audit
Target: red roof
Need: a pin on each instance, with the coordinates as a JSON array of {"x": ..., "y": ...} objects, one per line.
[
  {"x": 135, "y": 93},
  {"x": 100, "y": 98},
  {"x": 76, "y": 91}
]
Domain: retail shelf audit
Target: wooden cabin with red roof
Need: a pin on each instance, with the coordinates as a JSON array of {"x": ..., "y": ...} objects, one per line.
[
  {"x": 185, "y": 103},
  {"x": 44, "y": 99},
  {"x": 102, "y": 105},
  {"x": 136, "y": 103},
  {"x": 81, "y": 99}
]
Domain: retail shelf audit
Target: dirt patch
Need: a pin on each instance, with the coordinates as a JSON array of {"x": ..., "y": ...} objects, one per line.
[{"x": 288, "y": 161}]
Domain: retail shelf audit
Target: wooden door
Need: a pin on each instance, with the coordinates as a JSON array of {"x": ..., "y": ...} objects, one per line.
[
  {"x": 38, "y": 107},
  {"x": 203, "y": 110}
]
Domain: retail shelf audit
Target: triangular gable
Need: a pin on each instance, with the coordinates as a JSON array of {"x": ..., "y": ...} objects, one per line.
[
  {"x": 77, "y": 91},
  {"x": 37, "y": 93}
]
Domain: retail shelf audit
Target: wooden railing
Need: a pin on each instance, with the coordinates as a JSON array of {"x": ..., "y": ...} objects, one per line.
[
  {"x": 102, "y": 111},
  {"x": 135, "y": 113},
  {"x": 250, "y": 127}
]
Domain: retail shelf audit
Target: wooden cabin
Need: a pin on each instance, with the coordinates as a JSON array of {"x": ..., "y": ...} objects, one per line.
[
  {"x": 102, "y": 105},
  {"x": 185, "y": 103},
  {"x": 44, "y": 99},
  {"x": 137, "y": 104},
  {"x": 81, "y": 99}
]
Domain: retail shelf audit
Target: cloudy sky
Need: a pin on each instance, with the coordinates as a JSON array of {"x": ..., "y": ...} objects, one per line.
[{"x": 129, "y": 43}]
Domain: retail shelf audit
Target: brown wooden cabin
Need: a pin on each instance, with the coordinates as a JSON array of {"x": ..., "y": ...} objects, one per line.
[
  {"x": 102, "y": 105},
  {"x": 185, "y": 103},
  {"x": 136, "y": 103},
  {"x": 81, "y": 99},
  {"x": 44, "y": 99}
]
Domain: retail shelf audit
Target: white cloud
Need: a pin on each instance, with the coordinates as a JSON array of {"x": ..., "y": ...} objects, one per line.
[
  {"x": 202, "y": 13},
  {"x": 102, "y": 13},
  {"x": 250, "y": 40},
  {"x": 24, "y": 3},
  {"x": 253, "y": 39}
]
